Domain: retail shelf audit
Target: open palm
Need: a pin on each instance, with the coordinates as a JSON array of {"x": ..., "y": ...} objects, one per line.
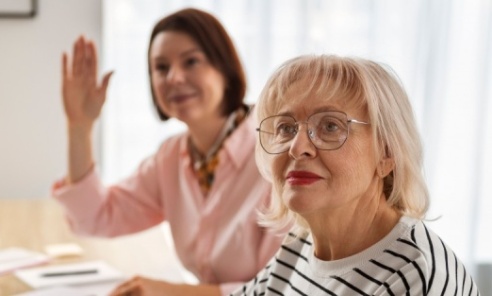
[{"x": 83, "y": 97}]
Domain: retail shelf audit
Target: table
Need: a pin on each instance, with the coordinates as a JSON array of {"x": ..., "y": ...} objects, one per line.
[{"x": 35, "y": 223}]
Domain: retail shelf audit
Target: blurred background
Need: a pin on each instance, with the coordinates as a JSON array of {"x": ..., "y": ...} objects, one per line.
[{"x": 441, "y": 49}]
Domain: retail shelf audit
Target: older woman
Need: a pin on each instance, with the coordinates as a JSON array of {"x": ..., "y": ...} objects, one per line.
[{"x": 339, "y": 143}]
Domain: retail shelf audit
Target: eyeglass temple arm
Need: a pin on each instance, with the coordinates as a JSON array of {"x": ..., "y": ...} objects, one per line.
[
  {"x": 357, "y": 121},
  {"x": 259, "y": 130}
]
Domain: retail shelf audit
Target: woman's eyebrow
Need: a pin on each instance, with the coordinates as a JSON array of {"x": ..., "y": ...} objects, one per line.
[
  {"x": 327, "y": 109},
  {"x": 183, "y": 54},
  {"x": 191, "y": 51}
]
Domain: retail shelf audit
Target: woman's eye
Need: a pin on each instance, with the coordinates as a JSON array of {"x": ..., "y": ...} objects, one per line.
[
  {"x": 191, "y": 61},
  {"x": 286, "y": 129},
  {"x": 161, "y": 67},
  {"x": 329, "y": 126}
]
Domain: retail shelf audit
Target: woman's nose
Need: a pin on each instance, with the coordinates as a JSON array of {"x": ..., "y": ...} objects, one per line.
[
  {"x": 301, "y": 145},
  {"x": 175, "y": 75}
]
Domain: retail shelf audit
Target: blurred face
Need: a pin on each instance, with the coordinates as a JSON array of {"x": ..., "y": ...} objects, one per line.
[
  {"x": 312, "y": 181},
  {"x": 185, "y": 84}
]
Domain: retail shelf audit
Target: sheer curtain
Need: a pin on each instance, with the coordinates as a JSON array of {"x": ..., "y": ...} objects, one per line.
[{"x": 441, "y": 49}]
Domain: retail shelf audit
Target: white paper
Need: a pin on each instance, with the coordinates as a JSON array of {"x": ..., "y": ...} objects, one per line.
[
  {"x": 12, "y": 259},
  {"x": 56, "y": 291},
  {"x": 99, "y": 289},
  {"x": 33, "y": 277}
]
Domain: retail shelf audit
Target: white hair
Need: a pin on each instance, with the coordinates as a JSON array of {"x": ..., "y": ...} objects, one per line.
[{"x": 363, "y": 83}]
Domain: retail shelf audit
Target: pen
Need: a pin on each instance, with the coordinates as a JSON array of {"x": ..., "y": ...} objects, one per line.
[{"x": 64, "y": 273}]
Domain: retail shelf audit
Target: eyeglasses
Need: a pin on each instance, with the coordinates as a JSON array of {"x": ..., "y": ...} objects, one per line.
[{"x": 326, "y": 130}]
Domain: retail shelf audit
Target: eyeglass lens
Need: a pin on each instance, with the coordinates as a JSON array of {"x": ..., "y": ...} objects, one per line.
[{"x": 326, "y": 130}]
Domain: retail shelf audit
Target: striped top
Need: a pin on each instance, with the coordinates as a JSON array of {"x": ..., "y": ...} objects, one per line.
[{"x": 410, "y": 260}]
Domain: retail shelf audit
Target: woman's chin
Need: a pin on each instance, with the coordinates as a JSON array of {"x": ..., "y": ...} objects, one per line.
[
  {"x": 189, "y": 117},
  {"x": 299, "y": 203},
  {"x": 184, "y": 112}
]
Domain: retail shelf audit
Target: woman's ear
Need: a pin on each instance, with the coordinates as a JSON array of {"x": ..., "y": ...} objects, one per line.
[
  {"x": 385, "y": 167},
  {"x": 386, "y": 164}
]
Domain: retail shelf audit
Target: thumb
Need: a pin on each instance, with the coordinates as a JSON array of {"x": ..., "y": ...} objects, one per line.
[{"x": 105, "y": 81}]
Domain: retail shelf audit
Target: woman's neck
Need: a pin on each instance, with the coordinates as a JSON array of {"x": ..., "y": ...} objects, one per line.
[
  {"x": 350, "y": 231},
  {"x": 207, "y": 135},
  {"x": 204, "y": 134}
]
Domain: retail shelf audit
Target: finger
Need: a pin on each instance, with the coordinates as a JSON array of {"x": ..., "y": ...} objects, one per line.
[
  {"x": 78, "y": 56},
  {"x": 127, "y": 291},
  {"x": 123, "y": 288},
  {"x": 64, "y": 70},
  {"x": 91, "y": 56},
  {"x": 75, "y": 54},
  {"x": 64, "y": 66},
  {"x": 89, "y": 67},
  {"x": 120, "y": 290},
  {"x": 64, "y": 73},
  {"x": 105, "y": 82}
]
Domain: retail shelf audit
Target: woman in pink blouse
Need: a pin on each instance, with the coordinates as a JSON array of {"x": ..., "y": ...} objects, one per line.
[{"x": 204, "y": 182}]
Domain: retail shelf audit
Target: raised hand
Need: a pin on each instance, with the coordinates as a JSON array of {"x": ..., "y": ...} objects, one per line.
[{"x": 83, "y": 96}]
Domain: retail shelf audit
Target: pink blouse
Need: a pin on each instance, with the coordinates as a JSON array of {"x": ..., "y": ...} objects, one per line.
[{"x": 216, "y": 236}]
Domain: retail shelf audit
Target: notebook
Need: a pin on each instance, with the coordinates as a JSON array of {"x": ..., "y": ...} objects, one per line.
[
  {"x": 69, "y": 274},
  {"x": 12, "y": 259}
]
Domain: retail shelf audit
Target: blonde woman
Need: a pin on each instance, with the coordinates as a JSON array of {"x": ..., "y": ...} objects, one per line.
[{"x": 339, "y": 142}]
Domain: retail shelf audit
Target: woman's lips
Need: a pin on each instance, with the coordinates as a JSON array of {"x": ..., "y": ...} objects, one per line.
[
  {"x": 180, "y": 98},
  {"x": 302, "y": 178}
]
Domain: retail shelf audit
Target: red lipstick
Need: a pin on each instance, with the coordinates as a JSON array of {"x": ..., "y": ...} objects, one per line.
[{"x": 301, "y": 178}]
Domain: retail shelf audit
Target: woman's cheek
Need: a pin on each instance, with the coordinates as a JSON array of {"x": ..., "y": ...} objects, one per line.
[{"x": 160, "y": 95}]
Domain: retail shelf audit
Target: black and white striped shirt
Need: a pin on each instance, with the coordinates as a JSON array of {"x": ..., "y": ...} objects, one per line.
[{"x": 410, "y": 260}]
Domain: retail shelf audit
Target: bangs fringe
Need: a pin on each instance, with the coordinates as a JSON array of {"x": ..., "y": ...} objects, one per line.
[{"x": 332, "y": 77}]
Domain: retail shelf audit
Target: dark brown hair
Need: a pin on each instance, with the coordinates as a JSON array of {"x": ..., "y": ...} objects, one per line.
[{"x": 211, "y": 36}]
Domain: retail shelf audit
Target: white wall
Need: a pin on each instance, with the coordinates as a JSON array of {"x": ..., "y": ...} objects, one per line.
[{"x": 32, "y": 126}]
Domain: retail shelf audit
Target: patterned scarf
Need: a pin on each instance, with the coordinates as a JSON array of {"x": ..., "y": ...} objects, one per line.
[{"x": 204, "y": 166}]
